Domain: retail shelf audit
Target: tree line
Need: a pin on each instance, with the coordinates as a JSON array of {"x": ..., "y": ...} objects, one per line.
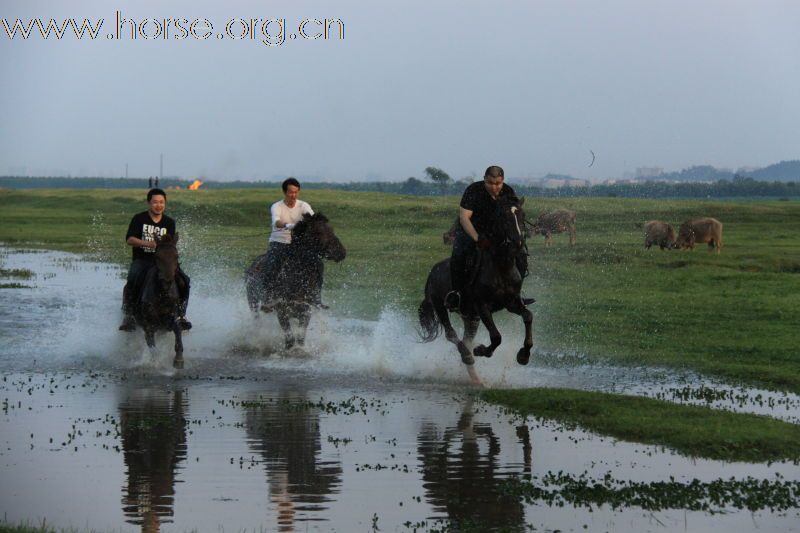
[{"x": 738, "y": 187}]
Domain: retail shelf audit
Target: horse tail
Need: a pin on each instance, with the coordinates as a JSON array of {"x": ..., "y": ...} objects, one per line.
[{"x": 428, "y": 321}]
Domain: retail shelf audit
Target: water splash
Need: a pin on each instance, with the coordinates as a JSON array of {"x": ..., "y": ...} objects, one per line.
[{"x": 69, "y": 320}]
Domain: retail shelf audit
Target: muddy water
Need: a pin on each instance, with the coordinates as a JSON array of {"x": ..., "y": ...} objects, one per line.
[{"x": 368, "y": 430}]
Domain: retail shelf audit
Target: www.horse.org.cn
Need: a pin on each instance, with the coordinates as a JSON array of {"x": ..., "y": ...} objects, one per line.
[{"x": 269, "y": 31}]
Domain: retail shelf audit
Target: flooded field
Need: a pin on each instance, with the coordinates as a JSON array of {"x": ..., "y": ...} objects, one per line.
[{"x": 368, "y": 430}]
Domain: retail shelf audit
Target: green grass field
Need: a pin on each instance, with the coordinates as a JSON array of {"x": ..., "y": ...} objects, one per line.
[
  {"x": 691, "y": 430},
  {"x": 734, "y": 315}
]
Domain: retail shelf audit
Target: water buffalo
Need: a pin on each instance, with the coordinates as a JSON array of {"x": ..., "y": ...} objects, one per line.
[
  {"x": 659, "y": 233},
  {"x": 557, "y": 221},
  {"x": 700, "y": 230}
]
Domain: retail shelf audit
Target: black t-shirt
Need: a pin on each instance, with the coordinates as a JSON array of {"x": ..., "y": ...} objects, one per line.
[
  {"x": 478, "y": 200},
  {"x": 143, "y": 227}
]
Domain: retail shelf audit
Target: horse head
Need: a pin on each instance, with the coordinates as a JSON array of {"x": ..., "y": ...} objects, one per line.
[
  {"x": 315, "y": 233},
  {"x": 166, "y": 259},
  {"x": 508, "y": 228}
]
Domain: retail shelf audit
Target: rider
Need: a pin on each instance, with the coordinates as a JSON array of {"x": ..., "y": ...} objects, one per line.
[
  {"x": 285, "y": 214},
  {"x": 143, "y": 230},
  {"x": 475, "y": 212}
]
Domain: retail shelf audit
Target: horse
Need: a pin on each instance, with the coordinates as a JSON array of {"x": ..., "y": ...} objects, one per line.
[
  {"x": 297, "y": 284},
  {"x": 159, "y": 299},
  {"x": 495, "y": 284}
]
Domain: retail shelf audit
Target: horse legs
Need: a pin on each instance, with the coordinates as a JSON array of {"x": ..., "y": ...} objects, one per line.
[
  {"x": 150, "y": 339},
  {"x": 485, "y": 313},
  {"x": 524, "y": 353},
  {"x": 451, "y": 335},
  {"x": 303, "y": 320},
  {"x": 286, "y": 326},
  {"x": 470, "y": 329},
  {"x": 178, "y": 361},
  {"x": 255, "y": 291}
]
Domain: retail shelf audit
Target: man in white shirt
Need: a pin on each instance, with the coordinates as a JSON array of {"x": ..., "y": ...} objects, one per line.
[{"x": 285, "y": 214}]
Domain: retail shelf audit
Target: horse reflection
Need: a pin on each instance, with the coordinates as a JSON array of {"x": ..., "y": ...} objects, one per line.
[
  {"x": 286, "y": 433},
  {"x": 461, "y": 474},
  {"x": 153, "y": 429}
]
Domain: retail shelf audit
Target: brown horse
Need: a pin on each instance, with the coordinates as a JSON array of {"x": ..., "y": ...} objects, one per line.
[
  {"x": 159, "y": 300},
  {"x": 297, "y": 285},
  {"x": 496, "y": 284}
]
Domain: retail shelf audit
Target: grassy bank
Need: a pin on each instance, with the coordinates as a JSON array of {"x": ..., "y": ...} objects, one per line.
[
  {"x": 691, "y": 430},
  {"x": 733, "y": 315}
]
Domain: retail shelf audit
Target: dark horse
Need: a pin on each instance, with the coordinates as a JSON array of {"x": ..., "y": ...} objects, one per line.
[
  {"x": 158, "y": 297},
  {"x": 495, "y": 284},
  {"x": 297, "y": 283}
]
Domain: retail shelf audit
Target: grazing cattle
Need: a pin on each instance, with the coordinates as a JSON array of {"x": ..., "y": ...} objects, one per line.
[
  {"x": 658, "y": 233},
  {"x": 557, "y": 221},
  {"x": 700, "y": 230}
]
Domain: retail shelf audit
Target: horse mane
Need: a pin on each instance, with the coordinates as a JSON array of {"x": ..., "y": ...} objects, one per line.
[{"x": 302, "y": 226}]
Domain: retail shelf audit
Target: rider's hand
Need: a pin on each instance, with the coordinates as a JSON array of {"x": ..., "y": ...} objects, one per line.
[
  {"x": 483, "y": 243},
  {"x": 289, "y": 226}
]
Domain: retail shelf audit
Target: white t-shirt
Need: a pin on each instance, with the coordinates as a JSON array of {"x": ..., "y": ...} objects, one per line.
[{"x": 287, "y": 215}]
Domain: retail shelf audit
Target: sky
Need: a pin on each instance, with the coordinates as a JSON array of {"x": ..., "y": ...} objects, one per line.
[{"x": 533, "y": 86}]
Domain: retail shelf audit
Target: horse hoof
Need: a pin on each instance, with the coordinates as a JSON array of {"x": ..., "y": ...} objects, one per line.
[
  {"x": 177, "y": 362},
  {"x": 523, "y": 356},
  {"x": 482, "y": 351}
]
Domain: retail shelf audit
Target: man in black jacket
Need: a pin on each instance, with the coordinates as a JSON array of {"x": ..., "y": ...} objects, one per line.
[
  {"x": 143, "y": 231},
  {"x": 475, "y": 213}
]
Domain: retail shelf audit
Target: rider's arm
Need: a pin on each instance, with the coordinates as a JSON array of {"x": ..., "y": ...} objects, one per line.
[
  {"x": 276, "y": 220},
  {"x": 139, "y": 243},
  {"x": 465, "y": 216}
]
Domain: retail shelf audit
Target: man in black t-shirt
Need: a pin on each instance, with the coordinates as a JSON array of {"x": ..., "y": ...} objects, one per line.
[
  {"x": 143, "y": 231},
  {"x": 475, "y": 211}
]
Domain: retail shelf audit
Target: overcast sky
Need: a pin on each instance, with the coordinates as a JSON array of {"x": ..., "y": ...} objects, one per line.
[{"x": 532, "y": 86}]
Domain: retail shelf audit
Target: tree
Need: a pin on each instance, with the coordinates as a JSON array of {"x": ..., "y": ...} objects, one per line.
[
  {"x": 412, "y": 186},
  {"x": 439, "y": 176}
]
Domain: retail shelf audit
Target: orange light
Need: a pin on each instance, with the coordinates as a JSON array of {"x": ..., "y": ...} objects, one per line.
[{"x": 195, "y": 185}]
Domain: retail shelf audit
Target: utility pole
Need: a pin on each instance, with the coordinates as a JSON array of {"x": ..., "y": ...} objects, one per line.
[
  {"x": 126, "y": 170},
  {"x": 161, "y": 167}
]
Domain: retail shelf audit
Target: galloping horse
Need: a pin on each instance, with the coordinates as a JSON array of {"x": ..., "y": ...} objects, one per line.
[
  {"x": 298, "y": 281},
  {"x": 158, "y": 297},
  {"x": 495, "y": 285}
]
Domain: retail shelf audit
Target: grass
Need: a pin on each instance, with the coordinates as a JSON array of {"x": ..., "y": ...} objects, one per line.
[
  {"x": 733, "y": 315},
  {"x": 14, "y": 285},
  {"x": 691, "y": 430},
  {"x": 19, "y": 273}
]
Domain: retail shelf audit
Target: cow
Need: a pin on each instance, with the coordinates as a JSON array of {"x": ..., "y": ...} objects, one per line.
[
  {"x": 556, "y": 221},
  {"x": 659, "y": 233},
  {"x": 700, "y": 230}
]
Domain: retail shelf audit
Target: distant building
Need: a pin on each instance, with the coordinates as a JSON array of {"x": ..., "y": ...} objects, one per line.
[{"x": 648, "y": 172}]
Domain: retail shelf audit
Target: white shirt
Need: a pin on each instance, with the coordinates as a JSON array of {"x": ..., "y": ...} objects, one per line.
[{"x": 287, "y": 215}]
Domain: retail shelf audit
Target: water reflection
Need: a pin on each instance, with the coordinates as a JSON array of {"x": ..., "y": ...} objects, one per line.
[
  {"x": 153, "y": 430},
  {"x": 285, "y": 431},
  {"x": 461, "y": 477}
]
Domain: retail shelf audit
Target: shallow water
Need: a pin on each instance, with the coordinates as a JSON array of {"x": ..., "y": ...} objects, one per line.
[{"x": 367, "y": 430}]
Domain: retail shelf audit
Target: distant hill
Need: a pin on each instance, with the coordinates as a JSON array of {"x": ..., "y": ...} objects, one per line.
[
  {"x": 783, "y": 171},
  {"x": 705, "y": 173}
]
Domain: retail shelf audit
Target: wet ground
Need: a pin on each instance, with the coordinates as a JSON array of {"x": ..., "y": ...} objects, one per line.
[{"x": 367, "y": 430}]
